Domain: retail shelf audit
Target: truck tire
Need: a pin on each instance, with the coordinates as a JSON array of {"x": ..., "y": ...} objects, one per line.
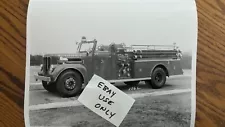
[
  {"x": 69, "y": 83},
  {"x": 158, "y": 78},
  {"x": 50, "y": 87}
]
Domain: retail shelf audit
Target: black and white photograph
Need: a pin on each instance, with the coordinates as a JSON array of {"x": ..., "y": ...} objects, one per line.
[{"x": 139, "y": 53}]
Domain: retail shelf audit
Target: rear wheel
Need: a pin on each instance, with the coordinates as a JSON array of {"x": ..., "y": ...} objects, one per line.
[
  {"x": 50, "y": 87},
  {"x": 69, "y": 83},
  {"x": 158, "y": 78}
]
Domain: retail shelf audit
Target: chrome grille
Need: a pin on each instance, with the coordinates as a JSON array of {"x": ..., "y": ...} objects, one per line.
[{"x": 46, "y": 64}]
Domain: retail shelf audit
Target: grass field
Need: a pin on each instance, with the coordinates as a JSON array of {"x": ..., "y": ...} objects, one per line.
[
  {"x": 152, "y": 111},
  {"x": 157, "y": 111}
]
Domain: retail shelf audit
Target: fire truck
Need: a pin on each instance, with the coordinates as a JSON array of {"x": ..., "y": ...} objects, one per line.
[{"x": 152, "y": 64}]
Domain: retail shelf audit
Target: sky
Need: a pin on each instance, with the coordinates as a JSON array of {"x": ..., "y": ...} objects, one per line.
[{"x": 54, "y": 26}]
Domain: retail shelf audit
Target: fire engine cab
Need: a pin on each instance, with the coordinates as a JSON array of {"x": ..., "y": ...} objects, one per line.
[{"x": 115, "y": 63}]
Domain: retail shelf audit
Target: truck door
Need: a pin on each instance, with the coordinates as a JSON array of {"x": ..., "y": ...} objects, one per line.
[{"x": 88, "y": 63}]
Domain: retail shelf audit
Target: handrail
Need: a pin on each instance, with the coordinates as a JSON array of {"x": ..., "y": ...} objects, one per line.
[{"x": 155, "y": 47}]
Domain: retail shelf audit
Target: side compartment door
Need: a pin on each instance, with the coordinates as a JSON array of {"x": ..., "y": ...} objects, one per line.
[
  {"x": 176, "y": 68},
  {"x": 103, "y": 65}
]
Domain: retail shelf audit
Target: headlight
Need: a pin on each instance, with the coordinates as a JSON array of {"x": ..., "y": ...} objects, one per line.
[
  {"x": 41, "y": 66},
  {"x": 51, "y": 68},
  {"x": 63, "y": 59}
]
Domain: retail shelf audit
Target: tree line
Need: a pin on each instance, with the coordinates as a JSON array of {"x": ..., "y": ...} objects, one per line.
[{"x": 37, "y": 60}]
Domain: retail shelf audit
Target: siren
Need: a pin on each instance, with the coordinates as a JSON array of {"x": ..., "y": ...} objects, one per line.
[{"x": 83, "y": 39}]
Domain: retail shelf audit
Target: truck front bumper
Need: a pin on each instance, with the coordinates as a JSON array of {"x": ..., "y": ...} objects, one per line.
[{"x": 42, "y": 78}]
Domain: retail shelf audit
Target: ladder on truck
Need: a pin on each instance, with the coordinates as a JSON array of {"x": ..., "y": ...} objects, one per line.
[
  {"x": 154, "y": 47},
  {"x": 126, "y": 56},
  {"x": 155, "y": 51}
]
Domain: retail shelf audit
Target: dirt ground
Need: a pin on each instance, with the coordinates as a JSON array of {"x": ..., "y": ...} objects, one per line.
[{"x": 152, "y": 111}]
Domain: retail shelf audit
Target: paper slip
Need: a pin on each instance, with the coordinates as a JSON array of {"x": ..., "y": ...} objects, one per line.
[{"x": 106, "y": 100}]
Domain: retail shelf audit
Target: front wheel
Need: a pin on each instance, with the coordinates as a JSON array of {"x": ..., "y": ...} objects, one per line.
[
  {"x": 69, "y": 83},
  {"x": 50, "y": 87},
  {"x": 158, "y": 78}
]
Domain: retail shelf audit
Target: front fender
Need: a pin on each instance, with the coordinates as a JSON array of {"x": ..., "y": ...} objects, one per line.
[{"x": 61, "y": 68}]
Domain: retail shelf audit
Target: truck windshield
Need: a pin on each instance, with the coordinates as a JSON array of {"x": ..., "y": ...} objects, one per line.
[{"x": 86, "y": 47}]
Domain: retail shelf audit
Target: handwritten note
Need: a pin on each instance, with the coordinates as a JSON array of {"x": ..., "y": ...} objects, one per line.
[{"x": 106, "y": 100}]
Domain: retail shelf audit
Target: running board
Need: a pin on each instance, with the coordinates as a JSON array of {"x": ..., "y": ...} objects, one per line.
[{"x": 128, "y": 80}]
